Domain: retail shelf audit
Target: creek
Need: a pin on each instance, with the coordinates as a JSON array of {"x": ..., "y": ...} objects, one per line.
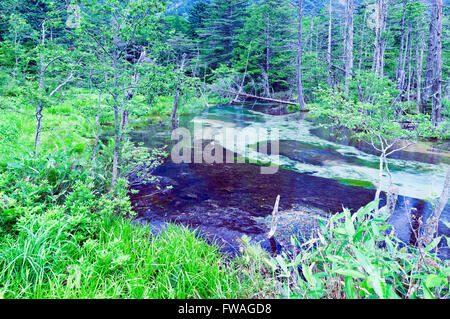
[{"x": 320, "y": 171}]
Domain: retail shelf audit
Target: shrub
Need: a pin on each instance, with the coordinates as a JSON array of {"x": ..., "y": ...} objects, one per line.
[{"x": 358, "y": 256}]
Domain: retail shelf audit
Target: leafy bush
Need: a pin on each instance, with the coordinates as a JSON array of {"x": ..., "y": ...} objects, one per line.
[
  {"x": 32, "y": 185},
  {"x": 357, "y": 256},
  {"x": 124, "y": 260}
]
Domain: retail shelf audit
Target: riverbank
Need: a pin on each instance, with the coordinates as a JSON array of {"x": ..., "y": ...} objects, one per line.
[{"x": 63, "y": 235}]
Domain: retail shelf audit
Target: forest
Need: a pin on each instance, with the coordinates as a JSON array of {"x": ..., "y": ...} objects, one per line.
[{"x": 116, "y": 118}]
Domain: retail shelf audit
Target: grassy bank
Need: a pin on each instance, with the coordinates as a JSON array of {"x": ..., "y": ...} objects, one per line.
[{"x": 63, "y": 235}]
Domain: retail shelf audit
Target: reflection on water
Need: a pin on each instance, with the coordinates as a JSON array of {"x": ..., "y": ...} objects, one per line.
[{"x": 228, "y": 200}]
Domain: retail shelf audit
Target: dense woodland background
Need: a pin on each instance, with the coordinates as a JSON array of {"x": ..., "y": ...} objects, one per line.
[{"x": 252, "y": 46}]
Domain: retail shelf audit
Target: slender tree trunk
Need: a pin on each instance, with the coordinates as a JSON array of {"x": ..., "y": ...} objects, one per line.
[
  {"x": 241, "y": 87},
  {"x": 349, "y": 46},
  {"x": 330, "y": 23},
  {"x": 403, "y": 64},
  {"x": 40, "y": 106},
  {"x": 410, "y": 72},
  {"x": 345, "y": 31},
  {"x": 433, "y": 73},
  {"x": 301, "y": 99},
  {"x": 268, "y": 58},
  {"x": 97, "y": 133},
  {"x": 380, "y": 176},
  {"x": 363, "y": 32},
  {"x": 431, "y": 225},
  {"x": 419, "y": 74},
  {"x": 117, "y": 146},
  {"x": 436, "y": 88},
  {"x": 16, "y": 55},
  {"x": 402, "y": 40},
  {"x": 178, "y": 92},
  {"x": 37, "y": 139},
  {"x": 378, "y": 63},
  {"x": 116, "y": 108},
  {"x": 311, "y": 35}
]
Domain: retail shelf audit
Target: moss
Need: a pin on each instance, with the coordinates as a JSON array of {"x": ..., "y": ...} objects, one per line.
[{"x": 355, "y": 182}]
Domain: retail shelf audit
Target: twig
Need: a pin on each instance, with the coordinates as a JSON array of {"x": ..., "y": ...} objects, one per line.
[{"x": 274, "y": 223}]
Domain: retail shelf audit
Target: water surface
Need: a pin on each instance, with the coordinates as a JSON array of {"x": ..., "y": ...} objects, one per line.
[{"x": 319, "y": 174}]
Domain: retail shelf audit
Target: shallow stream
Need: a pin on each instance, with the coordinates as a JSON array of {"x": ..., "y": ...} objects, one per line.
[{"x": 318, "y": 174}]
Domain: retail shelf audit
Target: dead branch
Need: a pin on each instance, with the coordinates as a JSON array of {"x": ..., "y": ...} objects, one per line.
[{"x": 274, "y": 223}]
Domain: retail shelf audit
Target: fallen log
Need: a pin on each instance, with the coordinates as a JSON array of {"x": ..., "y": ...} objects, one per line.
[{"x": 255, "y": 97}]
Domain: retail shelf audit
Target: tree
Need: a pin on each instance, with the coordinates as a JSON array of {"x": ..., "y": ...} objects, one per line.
[
  {"x": 372, "y": 117},
  {"x": 20, "y": 30},
  {"x": 264, "y": 46},
  {"x": 380, "y": 43},
  {"x": 329, "y": 48},
  {"x": 433, "y": 74},
  {"x": 301, "y": 99},
  {"x": 400, "y": 73},
  {"x": 113, "y": 37},
  {"x": 51, "y": 18},
  {"x": 219, "y": 35},
  {"x": 197, "y": 16},
  {"x": 431, "y": 225},
  {"x": 349, "y": 45}
]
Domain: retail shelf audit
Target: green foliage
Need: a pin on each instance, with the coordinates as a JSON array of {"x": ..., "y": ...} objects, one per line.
[
  {"x": 358, "y": 257},
  {"x": 46, "y": 261},
  {"x": 33, "y": 185},
  {"x": 224, "y": 20},
  {"x": 373, "y": 114},
  {"x": 263, "y": 41}
]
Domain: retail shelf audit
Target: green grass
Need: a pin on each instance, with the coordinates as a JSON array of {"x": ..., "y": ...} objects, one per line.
[
  {"x": 68, "y": 124},
  {"x": 63, "y": 236},
  {"x": 125, "y": 261}
]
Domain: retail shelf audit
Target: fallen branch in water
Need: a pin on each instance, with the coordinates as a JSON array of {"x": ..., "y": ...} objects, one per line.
[
  {"x": 249, "y": 96},
  {"x": 274, "y": 223}
]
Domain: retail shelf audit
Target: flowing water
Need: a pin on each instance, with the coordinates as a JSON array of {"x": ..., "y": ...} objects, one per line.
[{"x": 318, "y": 174}]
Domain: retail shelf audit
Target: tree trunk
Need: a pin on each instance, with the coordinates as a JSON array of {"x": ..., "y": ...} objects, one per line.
[
  {"x": 419, "y": 74},
  {"x": 400, "y": 68},
  {"x": 330, "y": 23},
  {"x": 431, "y": 225},
  {"x": 178, "y": 92},
  {"x": 241, "y": 87},
  {"x": 116, "y": 108},
  {"x": 301, "y": 99},
  {"x": 16, "y": 55},
  {"x": 97, "y": 133},
  {"x": 363, "y": 32},
  {"x": 380, "y": 46},
  {"x": 403, "y": 64},
  {"x": 311, "y": 36},
  {"x": 436, "y": 88},
  {"x": 380, "y": 177},
  {"x": 268, "y": 57},
  {"x": 37, "y": 138},
  {"x": 410, "y": 72},
  {"x": 117, "y": 147},
  {"x": 349, "y": 46},
  {"x": 433, "y": 73},
  {"x": 39, "y": 106}
]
